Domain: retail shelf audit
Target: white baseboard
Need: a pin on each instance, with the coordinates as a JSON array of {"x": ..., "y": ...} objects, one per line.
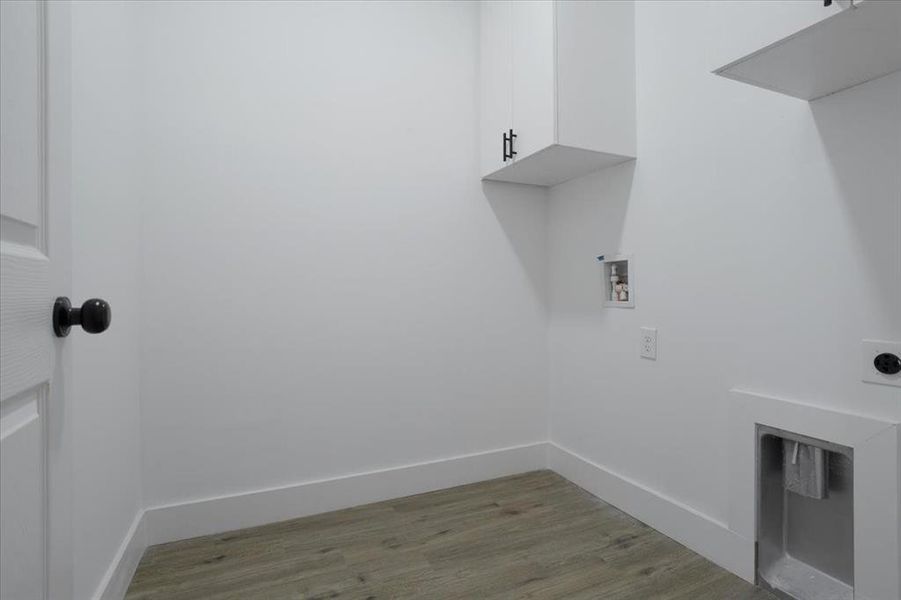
[
  {"x": 117, "y": 577},
  {"x": 225, "y": 513},
  {"x": 706, "y": 536}
]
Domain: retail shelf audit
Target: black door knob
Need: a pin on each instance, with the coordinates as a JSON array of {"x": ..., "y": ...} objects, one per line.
[{"x": 93, "y": 316}]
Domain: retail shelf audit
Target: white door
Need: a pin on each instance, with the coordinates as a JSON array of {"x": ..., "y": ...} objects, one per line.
[
  {"x": 496, "y": 82},
  {"x": 534, "y": 85},
  {"x": 35, "y": 526}
]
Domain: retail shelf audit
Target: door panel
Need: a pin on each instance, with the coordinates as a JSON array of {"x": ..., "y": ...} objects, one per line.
[
  {"x": 534, "y": 86},
  {"x": 22, "y": 518},
  {"x": 32, "y": 462},
  {"x": 496, "y": 82},
  {"x": 21, "y": 36}
]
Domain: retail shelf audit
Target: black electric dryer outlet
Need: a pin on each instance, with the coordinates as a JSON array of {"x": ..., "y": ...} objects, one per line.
[{"x": 887, "y": 363}]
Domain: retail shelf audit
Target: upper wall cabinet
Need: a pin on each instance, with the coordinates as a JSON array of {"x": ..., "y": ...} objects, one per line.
[
  {"x": 557, "y": 88},
  {"x": 805, "y": 48}
]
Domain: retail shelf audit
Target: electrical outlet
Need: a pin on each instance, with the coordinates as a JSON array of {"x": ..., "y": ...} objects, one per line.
[
  {"x": 648, "y": 347},
  {"x": 869, "y": 366}
]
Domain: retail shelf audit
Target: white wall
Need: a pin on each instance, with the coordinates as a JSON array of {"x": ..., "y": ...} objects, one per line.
[
  {"x": 765, "y": 232},
  {"x": 329, "y": 288},
  {"x": 106, "y": 261},
  {"x": 282, "y": 204}
]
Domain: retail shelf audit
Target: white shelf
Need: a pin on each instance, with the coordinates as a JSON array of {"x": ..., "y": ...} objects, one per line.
[{"x": 849, "y": 48}]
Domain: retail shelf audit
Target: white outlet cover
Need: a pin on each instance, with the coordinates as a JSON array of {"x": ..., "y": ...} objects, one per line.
[
  {"x": 647, "y": 343},
  {"x": 870, "y": 349}
]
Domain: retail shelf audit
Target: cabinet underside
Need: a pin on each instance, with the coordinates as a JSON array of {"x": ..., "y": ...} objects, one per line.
[{"x": 556, "y": 164}]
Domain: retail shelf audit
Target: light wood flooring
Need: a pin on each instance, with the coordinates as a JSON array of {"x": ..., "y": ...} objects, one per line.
[{"x": 528, "y": 536}]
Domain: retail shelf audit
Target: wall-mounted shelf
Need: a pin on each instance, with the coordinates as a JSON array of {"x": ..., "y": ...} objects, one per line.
[
  {"x": 619, "y": 280},
  {"x": 843, "y": 50}
]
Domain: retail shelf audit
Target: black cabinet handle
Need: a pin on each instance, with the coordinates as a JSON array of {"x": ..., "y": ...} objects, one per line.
[
  {"x": 508, "y": 139},
  {"x": 93, "y": 316},
  {"x": 504, "y": 136}
]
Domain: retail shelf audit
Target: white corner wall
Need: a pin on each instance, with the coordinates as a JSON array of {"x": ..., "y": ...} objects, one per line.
[
  {"x": 330, "y": 290},
  {"x": 765, "y": 233},
  {"x": 316, "y": 301},
  {"x": 106, "y": 244}
]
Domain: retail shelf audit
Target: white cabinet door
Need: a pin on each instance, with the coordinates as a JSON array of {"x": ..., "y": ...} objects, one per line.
[
  {"x": 534, "y": 85},
  {"x": 742, "y": 27},
  {"x": 35, "y": 551},
  {"x": 496, "y": 82}
]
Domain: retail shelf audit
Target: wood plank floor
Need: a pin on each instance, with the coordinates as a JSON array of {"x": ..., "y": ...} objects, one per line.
[{"x": 528, "y": 536}]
